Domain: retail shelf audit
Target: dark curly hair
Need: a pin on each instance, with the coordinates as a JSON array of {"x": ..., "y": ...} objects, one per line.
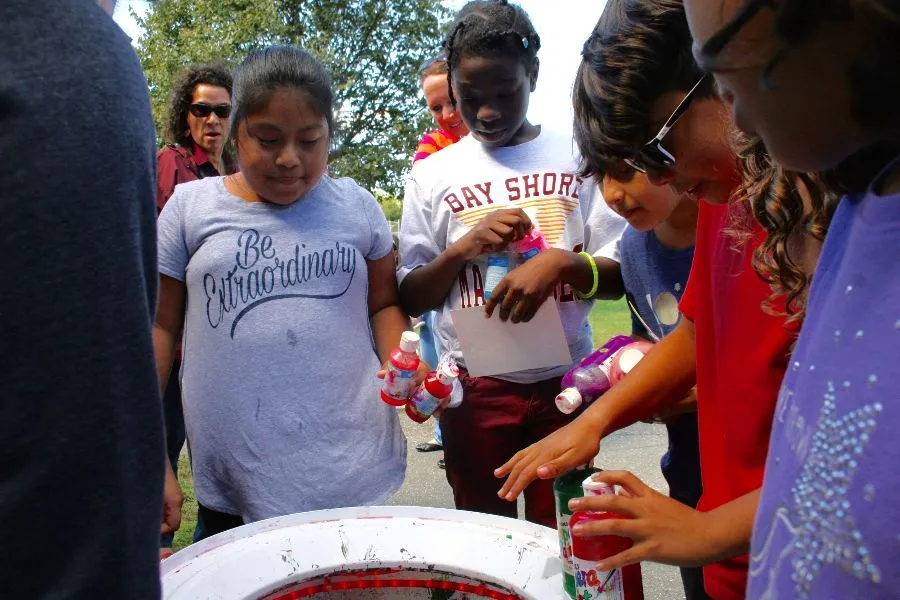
[
  {"x": 183, "y": 93},
  {"x": 638, "y": 51},
  {"x": 875, "y": 77},
  {"x": 488, "y": 27},
  {"x": 774, "y": 196}
]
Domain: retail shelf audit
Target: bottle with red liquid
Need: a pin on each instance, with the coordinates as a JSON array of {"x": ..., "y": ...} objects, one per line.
[
  {"x": 587, "y": 551},
  {"x": 437, "y": 388},
  {"x": 401, "y": 370}
]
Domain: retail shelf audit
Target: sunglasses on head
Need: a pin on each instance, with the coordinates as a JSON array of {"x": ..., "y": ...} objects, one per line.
[
  {"x": 652, "y": 157},
  {"x": 202, "y": 110},
  {"x": 442, "y": 57}
]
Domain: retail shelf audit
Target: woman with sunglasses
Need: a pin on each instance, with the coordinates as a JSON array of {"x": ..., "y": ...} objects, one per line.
[{"x": 196, "y": 128}]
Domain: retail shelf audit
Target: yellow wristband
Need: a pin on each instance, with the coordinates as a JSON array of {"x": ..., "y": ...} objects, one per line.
[{"x": 596, "y": 275}]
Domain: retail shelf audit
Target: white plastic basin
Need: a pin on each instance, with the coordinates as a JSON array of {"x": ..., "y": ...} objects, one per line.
[{"x": 396, "y": 552}]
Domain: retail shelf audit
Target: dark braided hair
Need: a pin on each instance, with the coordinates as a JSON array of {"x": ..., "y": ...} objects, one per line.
[{"x": 488, "y": 27}]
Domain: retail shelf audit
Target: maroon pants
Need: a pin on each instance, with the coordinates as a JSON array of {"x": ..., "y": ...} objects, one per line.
[{"x": 495, "y": 420}]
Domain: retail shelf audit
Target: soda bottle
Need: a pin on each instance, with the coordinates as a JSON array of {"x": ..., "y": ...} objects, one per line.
[
  {"x": 531, "y": 245},
  {"x": 599, "y": 355},
  {"x": 587, "y": 551},
  {"x": 566, "y": 487},
  {"x": 626, "y": 359},
  {"x": 437, "y": 388},
  {"x": 401, "y": 369},
  {"x": 497, "y": 268},
  {"x": 588, "y": 384}
]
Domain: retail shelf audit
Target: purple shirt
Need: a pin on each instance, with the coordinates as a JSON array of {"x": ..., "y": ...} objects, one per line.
[{"x": 828, "y": 524}]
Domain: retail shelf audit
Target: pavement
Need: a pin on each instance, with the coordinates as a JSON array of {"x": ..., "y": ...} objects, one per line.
[{"x": 637, "y": 449}]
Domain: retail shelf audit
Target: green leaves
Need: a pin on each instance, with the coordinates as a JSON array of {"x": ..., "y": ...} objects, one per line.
[{"x": 372, "y": 49}]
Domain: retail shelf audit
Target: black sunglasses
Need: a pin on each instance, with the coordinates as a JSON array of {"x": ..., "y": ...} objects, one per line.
[
  {"x": 652, "y": 156},
  {"x": 202, "y": 110}
]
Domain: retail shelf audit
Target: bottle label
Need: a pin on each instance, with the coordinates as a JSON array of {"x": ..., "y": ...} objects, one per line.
[
  {"x": 530, "y": 253},
  {"x": 398, "y": 383},
  {"x": 565, "y": 543},
  {"x": 496, "y": 271},
  {"x": 592, "y": 584},
  {"x": 424, "y": 402}
]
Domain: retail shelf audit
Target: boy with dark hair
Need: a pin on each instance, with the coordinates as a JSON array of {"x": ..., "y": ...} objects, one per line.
[{"x": 638, "y": 82}]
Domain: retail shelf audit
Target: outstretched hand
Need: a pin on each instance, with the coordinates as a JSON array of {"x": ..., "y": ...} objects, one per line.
[
  {"x": 575, "y": 444},
  {"x": 663, "y": 530}
]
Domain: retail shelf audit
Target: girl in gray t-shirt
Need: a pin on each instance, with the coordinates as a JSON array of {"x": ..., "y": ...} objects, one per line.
[{"x": 284, "y": 280}]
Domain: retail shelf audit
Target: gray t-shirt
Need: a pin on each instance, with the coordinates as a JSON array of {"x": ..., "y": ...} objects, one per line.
[{"x": 278, "y": 378}]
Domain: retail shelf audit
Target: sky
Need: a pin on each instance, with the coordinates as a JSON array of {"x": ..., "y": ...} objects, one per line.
[{"x": 563, "y": 25}]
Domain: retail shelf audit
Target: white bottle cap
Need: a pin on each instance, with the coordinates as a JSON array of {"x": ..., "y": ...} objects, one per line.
[
  {"x": 568, "y": 400},
  {"x": 409, "y": 341},
  {"x": 447, "y": 372},
  {"x": 597, "y": 488},
  {"x": 629, "y": 358}
]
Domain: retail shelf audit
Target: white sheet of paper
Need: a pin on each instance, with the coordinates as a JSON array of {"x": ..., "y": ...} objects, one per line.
[{"x": 492, "y": 347}]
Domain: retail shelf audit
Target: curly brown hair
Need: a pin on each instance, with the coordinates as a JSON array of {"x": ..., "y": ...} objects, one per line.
[
  {"x": 182, "y": 95},
  {"x": 793, "y": 209}
]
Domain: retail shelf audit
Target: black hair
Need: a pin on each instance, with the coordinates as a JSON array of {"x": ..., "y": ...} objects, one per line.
[
  {"x": 264, "y": 71},
  {"x": 489, "y": 27},
  {"x": 874, "y": 79},
  {"x": 638, "y": 51},
  {"x": 182, "y": 95}
]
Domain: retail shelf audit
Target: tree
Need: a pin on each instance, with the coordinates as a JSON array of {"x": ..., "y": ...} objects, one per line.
[{"x": 372, "y": 49}]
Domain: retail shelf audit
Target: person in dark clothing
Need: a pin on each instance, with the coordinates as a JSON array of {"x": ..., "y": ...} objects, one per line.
[{"x": 80, "y": 419}]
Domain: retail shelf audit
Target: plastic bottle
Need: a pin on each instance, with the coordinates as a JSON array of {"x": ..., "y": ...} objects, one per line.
[
  {"x": 588, "y": 384},
  {"x": 435, "y": 390},
  {"x": 497, "y": 268},
  {"x": 626, "y": 359},
  {"x": 587, "y": 551},
  {"x": 597, "y": 356},
  {"x": 531, "y": 245},
  {"x": 401, "y": 369},
  {"x": 566, "y": 487}
]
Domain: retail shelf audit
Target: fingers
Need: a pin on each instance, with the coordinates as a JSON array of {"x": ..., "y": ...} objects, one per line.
[
  {"x": 511, "y": 296},
  {"x": 633, "y": 555},
  {"x": 498, "y": 295},
  {"x": 380, "y": 374},
  {"x": 627, "y": 481},
  {"x": 625, "y": 506}
]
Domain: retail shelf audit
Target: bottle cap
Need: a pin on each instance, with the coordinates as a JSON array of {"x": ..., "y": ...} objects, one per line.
[
  {"x": 629, "y": 358},
  {"x": 409, "y": 341},
  {"x": 447, "y": 372},
  {"x": 568, "y": 400},
  {"x": 597, "y": 488}
]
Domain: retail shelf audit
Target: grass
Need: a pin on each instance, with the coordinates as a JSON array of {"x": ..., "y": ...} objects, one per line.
[{"x": 607, "y": 319}]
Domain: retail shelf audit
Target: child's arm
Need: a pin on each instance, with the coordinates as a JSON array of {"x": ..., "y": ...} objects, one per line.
[
  {"x": 166, "y": 329},
  {"x": 665, "y": 530},
  {"x": 387, "y": 318},
  {"x": 663, "y": 377},
  {"x": 426, "y": 287}
]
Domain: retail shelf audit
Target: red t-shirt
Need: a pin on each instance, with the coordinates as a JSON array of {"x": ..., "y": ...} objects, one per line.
[{"x": 742, "y": 354}]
